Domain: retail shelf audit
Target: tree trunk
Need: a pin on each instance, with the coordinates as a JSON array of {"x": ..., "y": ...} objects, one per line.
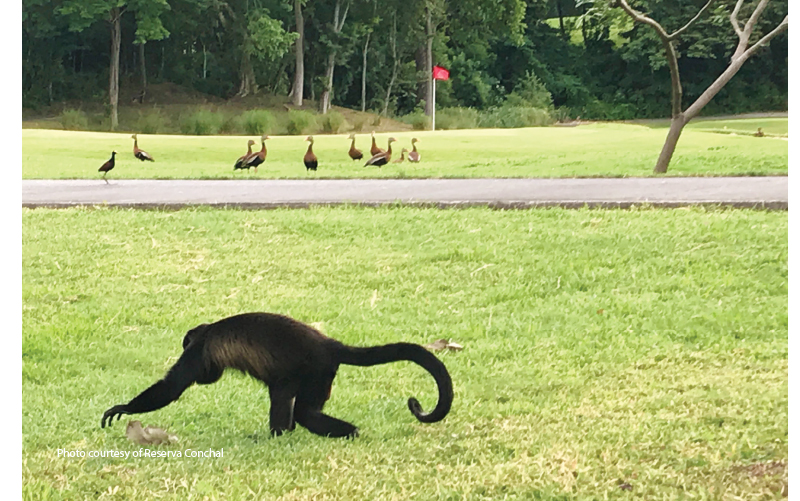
[
  {"x": 561, "y": 19},
  {"x": 205, "y": 62},
  {"x": 247, "y": 76},
  {"x": 679, "y": 117},
  {"x": 680, "y": 121},
  {"x": 143, "y": 69},
  {"x": 583, "y": 25},
  {"x": 422, "y": 83},
  {"x": 297, "y": 88},
  {"x": 429, "y": 62},
  {"x": 393, "y": 42},
  {"x": 113, "y": 73},
  {"x": 279, "y": 77},
  {"x": 675, "y": 129},
  {"x": 325, "y": 97},
  {"x": 364, "y": 76}
]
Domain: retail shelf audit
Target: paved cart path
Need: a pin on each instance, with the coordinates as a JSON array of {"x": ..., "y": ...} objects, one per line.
[{"x": 770, "y": 192}]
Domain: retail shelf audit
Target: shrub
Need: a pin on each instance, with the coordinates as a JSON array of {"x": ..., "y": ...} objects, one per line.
[
  {"x": 74, "y": 120},
  {"x": 201, "y": 123},
  {"x": 562, "y": 114},
  {"x": 530, "y": 92},
  {"x": 257, "y": 122},
  {"x": 233, "y": 124},
  {"x": 334, "y": 122},
  {"x": 300, "y": 122},
  {"x": 601, "y": 110},
  {"x": 457, "y": 118},
  {"x": 359, "y": 123},
  {"x": 515, "y": 116},
  {"x": 418, "y": 120},
  {"x": 152, "y": 122}
]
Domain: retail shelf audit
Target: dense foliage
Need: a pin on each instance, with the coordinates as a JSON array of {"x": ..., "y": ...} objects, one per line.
[{"x": 579, "y": 59}]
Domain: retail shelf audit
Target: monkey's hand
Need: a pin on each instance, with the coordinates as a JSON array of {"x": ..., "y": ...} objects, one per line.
[{"x": 108, "y": 416}]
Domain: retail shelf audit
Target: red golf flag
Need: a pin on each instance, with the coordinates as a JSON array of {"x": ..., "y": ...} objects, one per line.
[{"x": 440, "y": 73}]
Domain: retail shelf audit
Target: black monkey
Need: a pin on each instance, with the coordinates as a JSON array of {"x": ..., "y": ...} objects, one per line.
[{"x": 296, "y": 362}]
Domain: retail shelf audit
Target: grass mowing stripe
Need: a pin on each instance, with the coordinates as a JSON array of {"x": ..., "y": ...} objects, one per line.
[
  {"x": 641, "y": 347},
  {"x": 617, "y": 150}
]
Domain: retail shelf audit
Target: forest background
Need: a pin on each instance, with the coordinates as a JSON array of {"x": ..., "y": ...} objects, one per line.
[{"x": 572, "y": 58}]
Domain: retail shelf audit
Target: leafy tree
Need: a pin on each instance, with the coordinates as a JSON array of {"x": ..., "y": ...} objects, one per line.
[
  {"x": 742, "y": 53},
  {"x": 83, "y": 13},
  {"x": 299, "y": 67},
  {"x": 593, "y": 60}
]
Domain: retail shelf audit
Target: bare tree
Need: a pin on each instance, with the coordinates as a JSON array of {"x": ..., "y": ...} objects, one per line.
[
  {"x": 424, "y": 54},
  {"x": 297, "y": 88},
  {"x": 338, "y": 24},
  {"x": 742, "y": 53},
  {"x": 395, "y": 63},
  {"x": 429, "y": 34},
  {"x": 113, "y": 72},
  {"x": 364, "y": 75},
  {"x": 247, "y": 75}
]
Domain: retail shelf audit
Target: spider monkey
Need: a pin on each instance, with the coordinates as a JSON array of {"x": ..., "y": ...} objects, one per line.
[{"x": 297, "y": 363}]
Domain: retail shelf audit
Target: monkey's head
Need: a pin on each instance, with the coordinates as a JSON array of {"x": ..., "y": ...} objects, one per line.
[{"x": 192, "y": 334}]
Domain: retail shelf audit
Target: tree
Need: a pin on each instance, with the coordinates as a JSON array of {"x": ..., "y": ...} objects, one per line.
[
  {"x": 395, "y": 63},
  {"x": 741, "y": 54},
  {"x": 225, "y": 47},
  {"x": 334, "y": 41},
  {"x": 81, "y": 14},
  {"x": 264, "y": 39},
  {"x": 473, "y": 20},
  {"x": 299, "y": 73},
  {"x": 148, "y": 27}
]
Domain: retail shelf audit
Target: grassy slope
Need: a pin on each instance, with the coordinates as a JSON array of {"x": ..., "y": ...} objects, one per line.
[
  {"x": 769, "y": 126},
  {"x": 647, "y": 347},
  {"x": 591, "y": 150}
]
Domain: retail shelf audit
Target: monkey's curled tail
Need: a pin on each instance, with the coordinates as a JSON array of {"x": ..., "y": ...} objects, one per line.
[{"x": 376, "y": 355}]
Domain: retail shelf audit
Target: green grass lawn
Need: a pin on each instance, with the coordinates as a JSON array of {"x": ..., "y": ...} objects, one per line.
[
  {"x": 603, "y": 350},
  {"x": 769, "y": 126},
  {"x": 590, "y": 150}
]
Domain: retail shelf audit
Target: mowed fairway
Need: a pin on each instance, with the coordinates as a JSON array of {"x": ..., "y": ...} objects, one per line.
[
  {"x": 775, "y": 126},
  {"x": 588, "y": 150},
  {"x": 607, "y": 354}
]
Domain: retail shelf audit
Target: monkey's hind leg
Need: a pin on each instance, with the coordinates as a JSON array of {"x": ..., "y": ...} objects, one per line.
[
  {"x": 308, "y": 413},
  {"x": 281, "y": 412}
]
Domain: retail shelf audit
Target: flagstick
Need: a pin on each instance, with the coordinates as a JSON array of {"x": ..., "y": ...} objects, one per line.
[{"x": 433, "y": 114}]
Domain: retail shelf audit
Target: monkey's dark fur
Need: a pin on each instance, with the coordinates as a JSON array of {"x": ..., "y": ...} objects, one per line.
[{"x": 296, "y": 362}]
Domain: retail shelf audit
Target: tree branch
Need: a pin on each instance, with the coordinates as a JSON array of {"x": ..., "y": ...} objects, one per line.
[
  {"x": 735, "y": 16},
  {"x": 769, "y": 36},
  {"x": 344, "y": 16},
  {"x": 672, "y": 56},
  {"x": 641, "y": 18},
  {"x": 748, "y": 28},
  {"x": 678, "y": 33},
  {"x": 113, "y": 19},
  {"x": 744, "y": 34}
]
